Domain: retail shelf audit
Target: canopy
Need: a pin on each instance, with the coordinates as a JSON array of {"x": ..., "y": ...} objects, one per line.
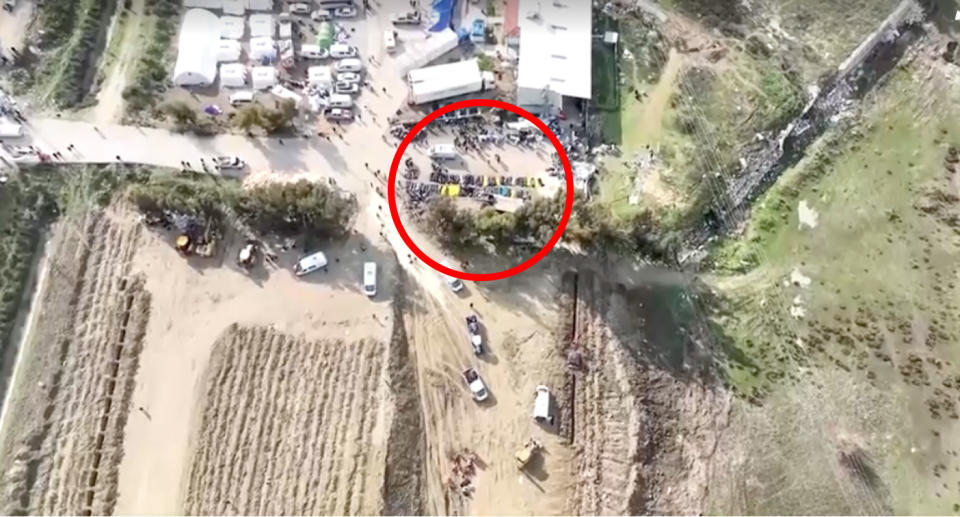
[
  {"x": 197, "y": 44},
  {"x": 263, "y": 77},
  {"x": 261, "y": 25},
  {"x": 228, "y": 50},
  {"x": 442, "y": 14},
  {"x": 320, "y": 76},
  {"x": 262, "y": 48},
  {"x": 233, "y": 75},
  {"x": 231, "y": 27},
  {"x": 237, "y": 7},
  {"x": 325, "y": 35}
]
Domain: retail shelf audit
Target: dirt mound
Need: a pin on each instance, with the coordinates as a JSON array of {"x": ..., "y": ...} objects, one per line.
[
  {"x": 286, "y": 427},
  {"x": 64, "y": 440},
  {"x": 645, "y": 425}
]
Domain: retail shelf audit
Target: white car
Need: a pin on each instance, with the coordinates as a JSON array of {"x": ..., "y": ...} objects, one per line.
[
  {"x": 228, "y": 162},
  {"x": 346, "y": 87},
  {"x": 340, "y": 114},
  {"x": 321, "y": 15},
  {"x": 299, "y": 8},
  {"x": 348, "y": 77},
  {"x": 411, "y": 18},
  {"x": 345, "y": 12}
]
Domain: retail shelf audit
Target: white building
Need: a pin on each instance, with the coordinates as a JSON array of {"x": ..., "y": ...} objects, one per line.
[
  {"x": 232, "y": 27},
  {"x": 555, "y": 53},
  {"x": 206, "y": 4},
  {"x": 233, "y": 75},
  {"x": 442, "y": 81},
  {"x": 197, "y": 44},
  {"x": 260, "y": 5},
  {"x": 228, "y": 50},
  {"x": 261, "y": 26}
]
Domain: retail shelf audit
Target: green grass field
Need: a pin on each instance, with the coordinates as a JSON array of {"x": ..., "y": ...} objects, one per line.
[{"x": 877, "y": 345}]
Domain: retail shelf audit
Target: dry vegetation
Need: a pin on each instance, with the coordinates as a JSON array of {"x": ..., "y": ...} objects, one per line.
[{"x": 286, "y": 427}]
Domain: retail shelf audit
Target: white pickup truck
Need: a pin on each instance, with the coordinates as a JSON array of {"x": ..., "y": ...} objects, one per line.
[{"x": 476, "y": 385}]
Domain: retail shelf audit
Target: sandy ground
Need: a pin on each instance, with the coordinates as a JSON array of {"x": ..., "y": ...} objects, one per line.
[
  {"x": 13, "y": 25},
  {"x": 193, "y": 303},
  {"x": 109, "y": 107}
]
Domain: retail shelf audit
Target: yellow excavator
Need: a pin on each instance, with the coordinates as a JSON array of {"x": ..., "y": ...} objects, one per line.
[{"x": 526, "y": 453}]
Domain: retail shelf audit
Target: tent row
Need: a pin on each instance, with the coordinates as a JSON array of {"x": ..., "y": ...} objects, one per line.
[
  {"x": 261, "y": 26},
  {"x": 231, "y": 6},
  {"x": 234, "y": 75}
]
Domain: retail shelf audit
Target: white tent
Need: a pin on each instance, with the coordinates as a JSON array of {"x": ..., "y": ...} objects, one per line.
[
  {"x": 261, "y": 48},
  {"x": 237, "y": 7},
  {"x": 260, "y": 5},
  {"x": 206, "y": 4},
  {"x": 261, "y": 25},
  {"x": 231, "y": 27},
  {"x": 233, "y": 75},
  {"x": 263, "y": 77},
  {"x": 320, "y": 76},
  {"x": 422, "y": 53},
  {"x": 197, "y": 57},
  {"x": 228, "y": 50}
]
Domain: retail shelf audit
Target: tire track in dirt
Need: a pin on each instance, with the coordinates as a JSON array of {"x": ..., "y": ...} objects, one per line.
[{"x": 297, "y": 431}]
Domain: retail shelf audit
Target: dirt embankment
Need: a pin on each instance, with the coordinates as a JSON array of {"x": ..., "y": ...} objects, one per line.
[
  {"x": 64, "y": 434},
  {"x": 404, "y": 483},
  {"x": 286, "y": 426},
  {"x": 644, "y": 424}
]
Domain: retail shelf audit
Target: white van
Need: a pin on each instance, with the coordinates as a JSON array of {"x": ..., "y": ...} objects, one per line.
[
  {"x": 350, "y": 65},
  {"x": 541, "y": 405},
  {"x": 389, "y": 41},
  {"x": 443, "y": 152},
  {"x": 342, "y": 50},
  {"x": 339, "y": 100},
  {"x": 241, "y": 97},
  {"x": 310, "y": 263},
  {"x": 313, "y": 52},
  {"x": 370, "y": 279}
]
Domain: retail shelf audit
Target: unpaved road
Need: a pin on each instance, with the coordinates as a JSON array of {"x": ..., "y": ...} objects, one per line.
[{"x": 110, "y": 104}]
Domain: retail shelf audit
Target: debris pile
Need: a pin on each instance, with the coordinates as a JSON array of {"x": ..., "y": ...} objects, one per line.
[{"x": 463, "y": 467}]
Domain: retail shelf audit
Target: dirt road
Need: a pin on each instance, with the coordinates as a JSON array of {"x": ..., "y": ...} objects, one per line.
[{"x": 128, "y": 32}]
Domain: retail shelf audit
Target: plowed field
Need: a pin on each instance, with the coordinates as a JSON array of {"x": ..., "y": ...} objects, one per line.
[
  {"x": 286, "y": 426},
  {"x": 72, "y": 399}
]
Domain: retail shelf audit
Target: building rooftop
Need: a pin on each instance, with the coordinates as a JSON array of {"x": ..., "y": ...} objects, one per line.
[{"x": 555, "y": 46}]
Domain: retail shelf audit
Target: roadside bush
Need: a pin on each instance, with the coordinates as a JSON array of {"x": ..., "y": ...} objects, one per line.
[
  {"x": 296, "y": 208},
  {"x": 270, "y": 120},
  {"x": 180, "y": 113}
]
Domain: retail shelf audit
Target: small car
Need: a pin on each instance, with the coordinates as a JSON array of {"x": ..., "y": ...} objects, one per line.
[
  {"x": 410, "y": 18},
  {"x": 321, "y": 15},
  {"x": 228, "y": 162},
  {"x": 348, "y": 77},
  {"x": 299, "y": 8},
  {"x": 345, "y": 12},
  {"x": 346, "y": 87},
  {"x": 340, "y": 114}
]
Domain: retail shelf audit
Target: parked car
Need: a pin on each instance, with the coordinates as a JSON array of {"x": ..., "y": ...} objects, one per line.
[
  {"x": 228, "y": 162},
  {"x": 340, "y": 114},
  {"x": 349, "y": 77},
  {"x": 321, "y": 15},
  {"x": 345, "y": 12},
  {"x": 410, "y": 18},
  {"x": 300, "y": 8},
  {"x": 8, "y": 5},
  {"x": 370, "y": 279},
  {"x": 346, "y": 87}
]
